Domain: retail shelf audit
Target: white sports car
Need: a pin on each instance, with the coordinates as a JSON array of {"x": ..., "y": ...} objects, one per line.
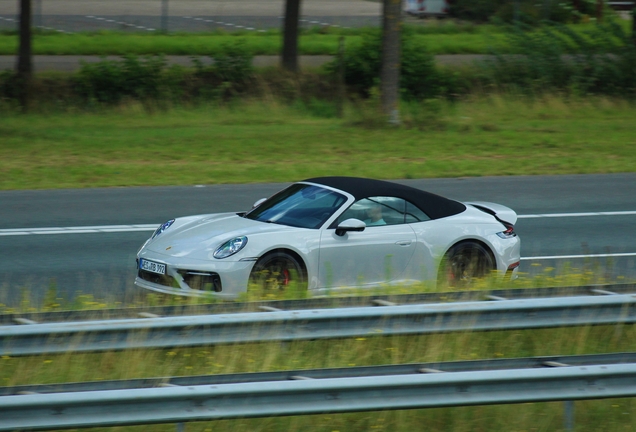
[{"x": 330, "y": 233}]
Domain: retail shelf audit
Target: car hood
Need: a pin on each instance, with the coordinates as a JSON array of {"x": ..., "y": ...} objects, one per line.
[{"x": 194, "y": 234}]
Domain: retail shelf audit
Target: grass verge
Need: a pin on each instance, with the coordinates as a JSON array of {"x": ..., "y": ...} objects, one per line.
[
  {"x": 439, "y": 38},
  {"x": 246, "y": 142},
  {"x": 207, "y": 45}
]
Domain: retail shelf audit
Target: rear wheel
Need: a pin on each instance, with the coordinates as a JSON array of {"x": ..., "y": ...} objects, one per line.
[
  {"x": 275, "y": 274},
  {"x": 463, "y": 263}
]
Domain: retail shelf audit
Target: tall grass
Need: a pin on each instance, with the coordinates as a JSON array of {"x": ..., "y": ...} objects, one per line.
[
  {"x": 120, "y": 292},
  {"x": 271, "y": 141},
  {"x": 605, "y": 415},
  {"x": 596, "y": 415}
]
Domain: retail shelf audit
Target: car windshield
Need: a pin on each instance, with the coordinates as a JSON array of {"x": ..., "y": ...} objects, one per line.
[{"x": 300, "y": 205}]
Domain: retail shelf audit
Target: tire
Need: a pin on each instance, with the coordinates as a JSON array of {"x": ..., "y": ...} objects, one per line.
[
  {"x": 463, "y": 263},
  {"x": 277, "y": 272}
]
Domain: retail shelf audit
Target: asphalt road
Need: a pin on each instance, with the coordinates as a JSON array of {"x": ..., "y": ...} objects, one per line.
[
  {"x": 195, "y": 7},
  {"x": 103, "y": 263},
  {"x": 187, "y": 15}
]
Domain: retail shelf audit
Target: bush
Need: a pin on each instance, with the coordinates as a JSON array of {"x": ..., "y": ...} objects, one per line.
[
  {"x": 602, "y": 61},
  {"x": 109, "y": 81},
  {"x": 362, "y": 63},
  {"x": 8, "y": 84},
  {"x": 529, "y": 11},
  {"x": 234, "y": 63}
]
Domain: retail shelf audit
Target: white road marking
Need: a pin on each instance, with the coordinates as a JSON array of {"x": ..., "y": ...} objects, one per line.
[
  {"x": 562, "y": 215},
  {"x": 152, "y": 227},
  {"x": 78, "y": 230},
  {"x": 609, "y": 255},
  {"x": 119, "y": 22}
]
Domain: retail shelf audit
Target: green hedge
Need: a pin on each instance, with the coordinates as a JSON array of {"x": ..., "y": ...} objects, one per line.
[
  {"x": 599, "y": 61},
  {"x": 528, "y": 11}
]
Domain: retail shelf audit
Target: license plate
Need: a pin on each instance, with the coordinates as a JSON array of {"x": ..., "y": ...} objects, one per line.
[{"x": 152, "y": 266}]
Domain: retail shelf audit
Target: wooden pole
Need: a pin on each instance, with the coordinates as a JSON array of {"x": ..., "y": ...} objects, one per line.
[
  {"x": 24, "y": 66},
  {"x": 289, "y": 60},
  {"x": 391, "y": 54}
]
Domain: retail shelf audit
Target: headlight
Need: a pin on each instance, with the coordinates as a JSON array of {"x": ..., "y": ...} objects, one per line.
[
  {"x": 164, "y": 226},
  {"x": 230, "y": 247}
]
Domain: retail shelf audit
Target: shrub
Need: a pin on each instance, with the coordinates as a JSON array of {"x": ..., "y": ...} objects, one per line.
[
  {"x": 8, "y": 84},
  {"x": 362, "y": 63},
  {"x": 108, "y": 81},
  {"x": 529, "y": 11},
  {"x": 231, "y": 66},
  {"x": 601, "y": 61},
  {"x": 234, "y": 63}
]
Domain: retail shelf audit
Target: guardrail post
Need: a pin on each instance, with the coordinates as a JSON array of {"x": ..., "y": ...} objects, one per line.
[{"x": 568, "y": 415}]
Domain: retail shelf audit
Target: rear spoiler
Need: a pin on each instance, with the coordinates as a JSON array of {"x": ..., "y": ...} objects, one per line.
[{"x": 500, "y": 212}]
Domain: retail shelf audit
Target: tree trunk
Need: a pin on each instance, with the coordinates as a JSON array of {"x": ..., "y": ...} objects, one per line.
[
  {"x": 390, "y": 70},
  {"x": 290, "y": 35},
  {"x": 24, "y": 67}
]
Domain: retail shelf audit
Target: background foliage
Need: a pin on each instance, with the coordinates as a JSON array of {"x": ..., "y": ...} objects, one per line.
[
  {"x": 529, "y": 11},
  {"x": 594, "y": 59}
]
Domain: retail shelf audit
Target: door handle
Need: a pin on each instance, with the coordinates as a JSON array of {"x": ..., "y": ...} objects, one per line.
[{"x": 404, "y": 242}]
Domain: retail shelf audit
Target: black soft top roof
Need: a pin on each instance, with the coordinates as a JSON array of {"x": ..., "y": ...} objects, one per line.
[{"x": 433, "y": 205}]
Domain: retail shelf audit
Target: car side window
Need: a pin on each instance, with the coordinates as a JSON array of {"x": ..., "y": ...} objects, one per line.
[
  {"x": 414, "y": 214},
  {"x": 377, "y": 211}
]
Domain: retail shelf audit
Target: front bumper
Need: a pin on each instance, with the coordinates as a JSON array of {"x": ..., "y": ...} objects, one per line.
[{"x": 196, "y": 278}]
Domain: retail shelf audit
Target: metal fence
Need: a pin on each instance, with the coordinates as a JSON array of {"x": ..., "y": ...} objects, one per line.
[
  {"x": 321, "y": 391},
  {"x": 325, "y": 302},
  {"x": 277, "y": 325}
]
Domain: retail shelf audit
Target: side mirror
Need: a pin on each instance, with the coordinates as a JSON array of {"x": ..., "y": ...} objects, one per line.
[
  {"x": 350, "y": 225},
  {"x": 259, "y": 202}
]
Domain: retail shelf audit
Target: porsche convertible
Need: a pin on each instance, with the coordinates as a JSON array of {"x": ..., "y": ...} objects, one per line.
[{"x": 329, "y": 233}]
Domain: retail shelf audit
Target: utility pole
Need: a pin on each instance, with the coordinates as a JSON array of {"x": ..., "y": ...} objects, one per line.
[
  {"x": 289, "y": 58},
  {"x": 391, "y": 53},
  {"x": 24, "y": 67}
]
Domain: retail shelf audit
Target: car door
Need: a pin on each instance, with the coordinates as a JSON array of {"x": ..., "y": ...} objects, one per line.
[{"x": 377, "y": 255}]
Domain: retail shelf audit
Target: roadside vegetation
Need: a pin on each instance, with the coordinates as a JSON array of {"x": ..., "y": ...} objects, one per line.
[
  {"x": 443, "y": 38},
  {"x": 134, "y": 144},
  {"x": 139, "y": 122},
  {"x": 523, "y": 60},
  {"x": 590, "y": 416},
  {"x": 436, "y": 38}
]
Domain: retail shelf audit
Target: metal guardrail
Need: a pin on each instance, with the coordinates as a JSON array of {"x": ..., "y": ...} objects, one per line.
[
  {"x": 326, "y": 391},
  {"x": 314, "y": 303},
  {"x": 179, "y": 331}
]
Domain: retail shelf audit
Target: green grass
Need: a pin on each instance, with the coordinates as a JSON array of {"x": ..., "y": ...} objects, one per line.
[
  {"x": 210, "y": 44},
  {"x": 268, "y": 142},
  {"x": 439, "y": 38}
]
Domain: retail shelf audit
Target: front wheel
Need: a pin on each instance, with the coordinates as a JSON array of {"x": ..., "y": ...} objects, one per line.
[
  {"x": 463, "y": 263},
  {"x": 275, "y": 274}
]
